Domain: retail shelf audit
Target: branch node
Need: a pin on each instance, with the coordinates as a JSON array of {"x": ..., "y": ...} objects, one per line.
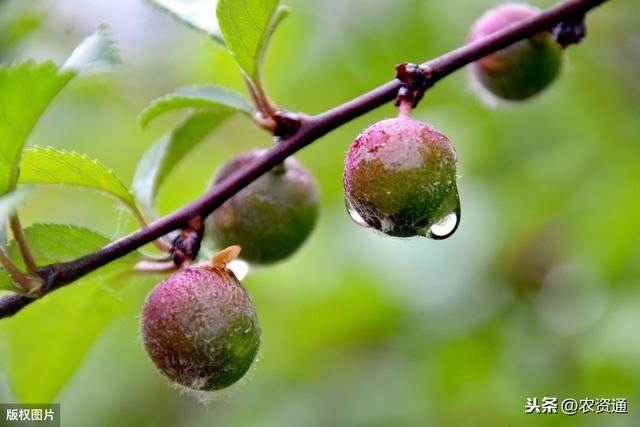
[
  {"x": 51, "y": 276},
  {"x": 287, "y": 123},
  {"x": 416, "y": 79},
  {"x": 570, "y": 31},
  {"x": 186, "y": 244},
  {"x": 27, "y": 283},
  {"x": 266, "y": 123}
]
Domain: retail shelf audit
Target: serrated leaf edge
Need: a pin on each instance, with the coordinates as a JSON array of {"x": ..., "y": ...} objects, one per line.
[
  {"x": 130, "y": 203},
  {"x": 216, "y": 37},
  {"x": 176, "y": 94}
]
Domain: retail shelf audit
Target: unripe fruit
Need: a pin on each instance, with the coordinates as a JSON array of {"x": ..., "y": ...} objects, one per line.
[
  {"x": 200, "y": 328},
  {"x": 400, "y": 178},
  {"x": 523, "y": 69},
  {"x": 270, "y": 218}
]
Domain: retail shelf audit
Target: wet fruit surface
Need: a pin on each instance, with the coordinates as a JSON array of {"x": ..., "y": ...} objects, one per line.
[
  {"x": 200, "y": 328},
  {"x": 523, "y": 69},
  {"x": 272, "y": 217},
  {"x": 400, "y": 178}
]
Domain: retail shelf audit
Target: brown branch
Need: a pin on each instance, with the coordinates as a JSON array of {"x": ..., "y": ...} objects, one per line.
[{"x": 311, "y": 129}]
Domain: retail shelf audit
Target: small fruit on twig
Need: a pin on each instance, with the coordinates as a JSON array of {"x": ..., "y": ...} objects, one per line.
[
  {"x": 271, "y": 217},
  {"x": 199, "y": 326},
  {"x": 523, "y": 69},
  {"x": 400, "y": 178}
]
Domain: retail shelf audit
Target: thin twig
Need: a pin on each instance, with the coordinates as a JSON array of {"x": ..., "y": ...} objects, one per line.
[
  {"x": 25, "y": 283},
  {"x": 23, "y": 244},
  {"x": 269, "y": 106},
  {"x": 58, "y": 275},
  {"x": 264, "y": 114}
]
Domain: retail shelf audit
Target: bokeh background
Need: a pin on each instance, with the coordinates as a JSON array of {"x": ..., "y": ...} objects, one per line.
[{"x": 537, "y": 294}]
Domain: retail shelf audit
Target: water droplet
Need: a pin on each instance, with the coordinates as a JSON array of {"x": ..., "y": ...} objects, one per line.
[
  {"x": 445, "y": 227},
  {"x": 355, "y": 216}
]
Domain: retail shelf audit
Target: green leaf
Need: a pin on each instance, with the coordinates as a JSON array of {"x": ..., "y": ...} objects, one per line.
[
  {"x": 54, "y": 243},
  {"x": 6, "y": 282},
  {"x": 247, "y": 27},
  {"x": 27, "y": 89},
  {"x": 25, "y": 92},
  {"x": 197, "y": 14},
  {"x": 163, "y": 156},
  {"x": 50, "y": 166},
  {"x": 95, "y": 53},
  {"x": 210, "y": 96},
  {"x": 45, "y": 343}
]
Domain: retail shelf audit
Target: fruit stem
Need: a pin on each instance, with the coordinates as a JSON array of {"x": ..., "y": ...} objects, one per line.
[
  {"x": 279, "y": 169},
  {"x": 405, "y": 109}
]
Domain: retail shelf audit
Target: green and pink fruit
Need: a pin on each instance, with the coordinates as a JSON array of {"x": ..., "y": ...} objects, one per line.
[
  {"x": 200, "y": 328},
  {"x": 523, "y": 69},
  {"x": 270, "y": 218},
  {"x": 400, "y": 178}
]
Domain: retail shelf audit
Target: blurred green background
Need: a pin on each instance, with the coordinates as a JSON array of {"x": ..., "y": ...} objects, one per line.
[{"x": 537, "y": 294}]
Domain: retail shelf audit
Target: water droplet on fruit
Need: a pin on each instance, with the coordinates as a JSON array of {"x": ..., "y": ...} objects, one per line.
[
  {"x": 356, "y": 217},
  {"x": 445, "y": 227}
]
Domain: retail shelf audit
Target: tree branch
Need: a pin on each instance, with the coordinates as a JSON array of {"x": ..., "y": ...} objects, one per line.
[{"x": 311, "y": 129}]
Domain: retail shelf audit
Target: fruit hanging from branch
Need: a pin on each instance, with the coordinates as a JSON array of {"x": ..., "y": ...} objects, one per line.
[
  {"x": 271, "y": 217},
  {"x": 199, "y": 326},
  {"x": 400, "y": 178},
  {"x": 523, "y": 69}
]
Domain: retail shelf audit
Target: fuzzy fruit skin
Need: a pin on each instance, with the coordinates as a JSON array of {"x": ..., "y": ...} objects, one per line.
[
  {"x": 523, "y": 69},
  {"x": 270, "y": 218},
  {"x": 400, "y": 177},
  {"x": 200, "y": 328}
]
